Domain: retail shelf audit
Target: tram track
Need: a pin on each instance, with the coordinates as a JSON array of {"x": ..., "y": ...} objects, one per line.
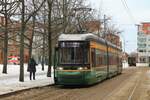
[
  {"x": 134, "y": 89},
  {"x": 130, "y": 89},
  {"x": 138, "y": 86},
  {"x": 115, "y": 90},
  {"x": 109, "y": 95}
]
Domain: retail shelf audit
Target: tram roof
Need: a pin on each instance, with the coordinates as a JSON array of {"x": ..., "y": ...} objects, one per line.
[
  {"x": 78, "y": 37},
  {"x": 84, "y": 37}
]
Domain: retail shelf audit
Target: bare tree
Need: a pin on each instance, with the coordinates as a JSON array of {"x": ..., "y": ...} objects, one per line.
[
  {"x": 21, "y": 76},
  {"x": 24, "y": 21},
  {"x": 33, "y": 28},
  {"x": 49, "y": 3},
  {"x": 8, "y": 8}
]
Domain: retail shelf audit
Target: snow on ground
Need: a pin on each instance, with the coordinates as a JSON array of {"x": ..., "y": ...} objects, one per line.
[
  {"x": 10, "y": 82},
  {"x": 14, "y": 69}
]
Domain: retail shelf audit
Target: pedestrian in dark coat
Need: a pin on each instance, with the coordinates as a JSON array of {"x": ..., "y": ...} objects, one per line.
[{"x": 32, "y": 68}]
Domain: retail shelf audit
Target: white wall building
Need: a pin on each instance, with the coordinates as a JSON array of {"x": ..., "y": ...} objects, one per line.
[{"x": 143, "y": 43}]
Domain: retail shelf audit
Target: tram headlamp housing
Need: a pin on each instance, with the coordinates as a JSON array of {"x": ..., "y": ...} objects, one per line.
[{"x": 82, "y": 68}]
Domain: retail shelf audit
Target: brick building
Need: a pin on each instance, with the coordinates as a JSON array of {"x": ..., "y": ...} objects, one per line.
[
  {"x": 114, "y": 39},
  {"x": 92, "y": 26},
  {"x": 13, "y": 42},
  {"x": 96, "y": 27}
]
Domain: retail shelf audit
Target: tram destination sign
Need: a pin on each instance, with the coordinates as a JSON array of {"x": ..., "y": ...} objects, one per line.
[{"x": 72, "y": 44}]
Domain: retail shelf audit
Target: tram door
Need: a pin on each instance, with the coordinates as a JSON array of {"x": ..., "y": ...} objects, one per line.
[{"x": 93, "y": 57}]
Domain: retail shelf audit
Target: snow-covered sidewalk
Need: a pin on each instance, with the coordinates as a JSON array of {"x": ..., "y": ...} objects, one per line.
[{"x": 10, "y": 82}]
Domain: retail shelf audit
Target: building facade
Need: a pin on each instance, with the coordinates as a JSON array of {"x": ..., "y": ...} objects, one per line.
[
  {"x": 13, "y": 41},
  {"x": 114, "y": 39},
  {"x": 143, "y": 43}
]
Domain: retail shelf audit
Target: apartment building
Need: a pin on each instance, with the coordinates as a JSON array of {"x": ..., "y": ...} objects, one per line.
[{"x": 143, "y": 43}]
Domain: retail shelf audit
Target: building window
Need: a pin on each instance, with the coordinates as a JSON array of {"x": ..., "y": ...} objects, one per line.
[
  {"x": 141, "y": 45},
  {"x": 143, "y": 60},
  {"x": 142, "y": 39},
  {"x": 142, "y": 50}
]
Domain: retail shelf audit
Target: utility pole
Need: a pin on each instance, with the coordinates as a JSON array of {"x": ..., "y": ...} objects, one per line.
[
  {"x": 64, "y": 15},
  {"x": 104, "y": 27},
  {"x": 104, "y": 34}
]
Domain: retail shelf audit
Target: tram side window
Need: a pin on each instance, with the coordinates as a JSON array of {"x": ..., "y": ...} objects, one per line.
[
  {"x": 100, "y": 58},
  {"x": 113, "y": 59},
  {"x": 86, "y": 56},
  {"x": 110, "y": 59},
  {"x": 116, "y": 63},
  {"x": 93, "y": 57},
  {"x": 105, "y": 58},
  {"x": 120, "y": 61},
  {"x": 117, "y": 60}
]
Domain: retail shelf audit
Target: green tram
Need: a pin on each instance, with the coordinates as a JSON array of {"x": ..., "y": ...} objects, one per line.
[{"x": 85, "y": 59}]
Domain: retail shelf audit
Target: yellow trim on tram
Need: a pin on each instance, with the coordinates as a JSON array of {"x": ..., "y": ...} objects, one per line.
[
  {"x": 98, "y": 46},
  {"x": 102, "y": 47}
]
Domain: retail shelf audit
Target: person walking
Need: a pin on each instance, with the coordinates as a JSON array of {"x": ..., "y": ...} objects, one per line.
[{"x": 32, "y": 68}]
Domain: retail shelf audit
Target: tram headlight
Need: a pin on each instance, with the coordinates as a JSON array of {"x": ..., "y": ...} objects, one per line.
[
  {"x": 80, "y": 68},
  {"x": 60, "y": 68}
]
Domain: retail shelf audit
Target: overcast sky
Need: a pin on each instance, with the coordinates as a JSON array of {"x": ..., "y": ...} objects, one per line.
[{"x": 125, "y": 19}]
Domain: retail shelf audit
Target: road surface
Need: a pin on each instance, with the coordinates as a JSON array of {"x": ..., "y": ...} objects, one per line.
[{"x": 132, "y": 84}]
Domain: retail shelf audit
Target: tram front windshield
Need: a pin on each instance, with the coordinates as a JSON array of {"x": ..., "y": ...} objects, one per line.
[{"x": 73, "y": 53}]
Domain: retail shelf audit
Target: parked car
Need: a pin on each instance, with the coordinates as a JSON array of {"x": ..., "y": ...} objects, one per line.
[{"x": 14, "y": 60}]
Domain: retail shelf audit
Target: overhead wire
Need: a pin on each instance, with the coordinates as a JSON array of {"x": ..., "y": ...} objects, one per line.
[{"x": 128, "y": 11}]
